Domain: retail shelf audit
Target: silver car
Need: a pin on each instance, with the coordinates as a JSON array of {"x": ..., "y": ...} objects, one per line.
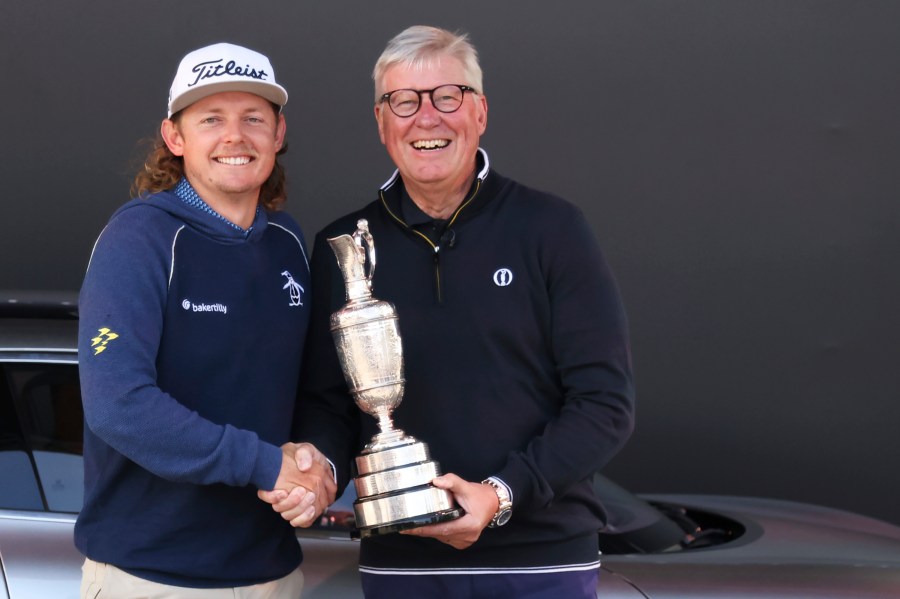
[{"x": 661, "y": 546}]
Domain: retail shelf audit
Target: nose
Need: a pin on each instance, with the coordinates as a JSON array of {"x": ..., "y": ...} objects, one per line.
[
  {"x": 427, "y": 115},
  {"x": 233, "y": 131}
]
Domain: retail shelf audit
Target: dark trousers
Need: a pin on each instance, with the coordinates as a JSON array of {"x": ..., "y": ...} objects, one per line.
[{"x": 555, "y": 585}]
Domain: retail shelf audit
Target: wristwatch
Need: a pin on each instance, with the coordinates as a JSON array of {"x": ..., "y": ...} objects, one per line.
[{"x": 504, "y": 510}]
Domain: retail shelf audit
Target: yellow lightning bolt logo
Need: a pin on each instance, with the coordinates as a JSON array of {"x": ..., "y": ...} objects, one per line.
[{"x": 99, "y": 342}]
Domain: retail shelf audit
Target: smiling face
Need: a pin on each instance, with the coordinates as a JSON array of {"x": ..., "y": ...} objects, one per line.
[
  {"x": 434, "y": 151},
  {"x": 228, "y": 142}
]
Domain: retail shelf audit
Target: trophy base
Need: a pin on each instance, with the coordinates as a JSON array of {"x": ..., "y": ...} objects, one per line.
[
  {"x": 394, "y": 490},
  {"x": 407, "y": 505},
  {"x": 407, "y": 523}
]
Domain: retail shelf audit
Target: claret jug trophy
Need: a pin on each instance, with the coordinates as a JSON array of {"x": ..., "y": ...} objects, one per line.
[{"x": 394, "y": 470}]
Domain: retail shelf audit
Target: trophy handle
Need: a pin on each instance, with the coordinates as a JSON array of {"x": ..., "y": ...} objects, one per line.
[
  {"x": 362, "y": 237},
  {"x": 355, "y": 256}
]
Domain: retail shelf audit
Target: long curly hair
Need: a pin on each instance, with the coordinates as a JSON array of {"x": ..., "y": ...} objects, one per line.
[{"x": 163, "y": 170}]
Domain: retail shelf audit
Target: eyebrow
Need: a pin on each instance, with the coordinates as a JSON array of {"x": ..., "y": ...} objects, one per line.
[{"x": 246, "y": 111}]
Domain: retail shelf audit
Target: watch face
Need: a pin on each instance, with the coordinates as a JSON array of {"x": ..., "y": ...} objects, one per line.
[{"x": 503, "y": 517}]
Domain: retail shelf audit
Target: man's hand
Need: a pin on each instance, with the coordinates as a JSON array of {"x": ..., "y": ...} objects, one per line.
[
  {"x": 305, "y": 485},
  {"x": 480, "y": 502}
]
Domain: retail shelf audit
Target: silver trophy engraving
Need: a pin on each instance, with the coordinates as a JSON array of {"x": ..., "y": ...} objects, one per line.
[{"x": 394, "y": 470}]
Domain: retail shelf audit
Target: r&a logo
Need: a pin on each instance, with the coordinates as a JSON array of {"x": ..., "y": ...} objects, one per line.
[{"x": 503, "y": 277}]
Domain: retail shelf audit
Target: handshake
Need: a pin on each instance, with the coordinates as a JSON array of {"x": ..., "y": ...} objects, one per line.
[{"x": 305, "y": 485}]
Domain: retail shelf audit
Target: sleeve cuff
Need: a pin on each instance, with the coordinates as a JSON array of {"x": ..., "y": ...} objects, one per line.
[
  {"x": 333, "y": 469},
  {"x": 267, "y": 468}
]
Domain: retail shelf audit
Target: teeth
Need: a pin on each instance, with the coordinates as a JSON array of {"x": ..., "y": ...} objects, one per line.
[
  {"x": 233, "y": 160},
  {"x": 430, "y": 144}
]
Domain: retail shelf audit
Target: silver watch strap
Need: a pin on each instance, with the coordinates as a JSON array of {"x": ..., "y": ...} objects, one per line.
[{"x": 500, "y": 482}]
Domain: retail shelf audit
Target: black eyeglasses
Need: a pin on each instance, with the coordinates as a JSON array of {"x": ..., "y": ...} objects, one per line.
[{"x": 444, "y": 98}]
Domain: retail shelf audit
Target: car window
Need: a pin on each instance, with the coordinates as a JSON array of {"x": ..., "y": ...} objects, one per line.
[
  {"x": 48, "y": 400},
  {"x": 18, "y": 486},
  {"x": 46, "y": 406}
]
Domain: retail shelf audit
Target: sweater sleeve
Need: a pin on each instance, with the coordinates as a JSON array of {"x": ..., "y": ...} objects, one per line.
[
  {"x": 590, "y": 348},
  {"x": 121, "y": 310}
]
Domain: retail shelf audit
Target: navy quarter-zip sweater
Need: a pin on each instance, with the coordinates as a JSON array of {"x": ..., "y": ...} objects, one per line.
[
  {"x": 191, "y": 336},
  {"x": 517, "y": 365}
]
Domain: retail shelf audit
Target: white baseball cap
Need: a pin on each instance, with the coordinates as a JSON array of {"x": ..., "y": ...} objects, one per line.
[{"x": 223, "y": 68}]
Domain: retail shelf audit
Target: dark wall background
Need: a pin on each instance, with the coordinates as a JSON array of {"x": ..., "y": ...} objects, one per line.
[{"x": 738, "y": 161}]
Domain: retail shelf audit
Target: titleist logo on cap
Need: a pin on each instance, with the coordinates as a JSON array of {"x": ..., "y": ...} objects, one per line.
[
  {"x": 220, "y": 68},
  {"x": 215, "y": 68}
]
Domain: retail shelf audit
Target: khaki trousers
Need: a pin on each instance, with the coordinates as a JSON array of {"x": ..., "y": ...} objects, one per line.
[{"x": 103, "y": 581}]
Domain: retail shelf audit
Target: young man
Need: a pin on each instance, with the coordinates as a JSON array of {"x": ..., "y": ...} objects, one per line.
[
  {"x": 518, "y": 370},
  {"x": 193, "y": 314}
]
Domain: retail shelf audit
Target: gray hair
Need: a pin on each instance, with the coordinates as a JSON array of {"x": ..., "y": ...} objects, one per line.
[{"x": 421, "y": 46}]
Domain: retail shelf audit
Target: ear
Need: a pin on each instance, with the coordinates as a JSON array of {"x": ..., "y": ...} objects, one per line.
[
  {"x": 172, "y": 136},
  {"x": 379, "y": 118},
  {"x": 280, "y": 132},
  {"x": 481, "y": 116}
]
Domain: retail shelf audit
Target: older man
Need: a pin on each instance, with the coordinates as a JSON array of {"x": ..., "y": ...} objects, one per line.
[
  {"x": 518, "y": 371},
  {"x": 193, "y": 314}
]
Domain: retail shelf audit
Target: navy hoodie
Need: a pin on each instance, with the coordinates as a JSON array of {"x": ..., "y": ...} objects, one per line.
[{"x": 190, "y": 341}]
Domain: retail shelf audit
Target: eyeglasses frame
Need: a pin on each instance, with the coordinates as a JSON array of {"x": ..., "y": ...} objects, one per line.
[{"x": 464, "y": 88}]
